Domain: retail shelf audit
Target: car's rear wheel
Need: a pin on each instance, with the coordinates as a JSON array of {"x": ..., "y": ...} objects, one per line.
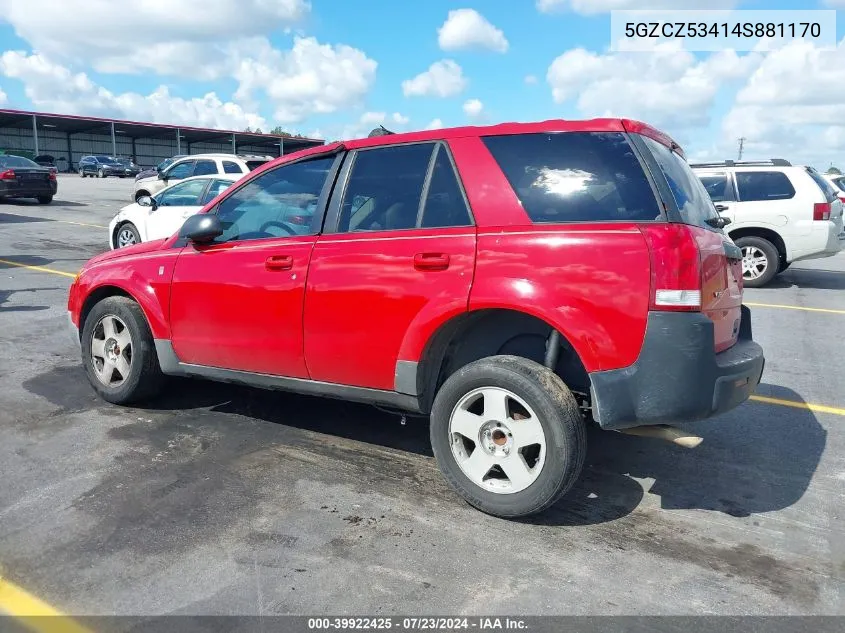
[
  {"x": 760, "y": 261},
  {"x": 127, "y": 235},
  {"x": 508, "y": 435},
  {"x": 118, "y": 352},
  {"x": 45, "y": 199}
]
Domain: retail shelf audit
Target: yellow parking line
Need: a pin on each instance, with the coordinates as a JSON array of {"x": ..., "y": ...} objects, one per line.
[
  {"x": 786, "y": 307},
  {"x": 817, "y": 408},
  {"x": 42, "y": 269},
  {"x": 33, "y": 613}
]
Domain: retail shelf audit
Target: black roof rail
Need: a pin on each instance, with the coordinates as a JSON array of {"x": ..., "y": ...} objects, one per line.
[{"x": 774, "y": 162}]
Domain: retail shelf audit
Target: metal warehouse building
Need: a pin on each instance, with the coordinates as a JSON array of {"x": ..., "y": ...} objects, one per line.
[{"x": 68, "y": 138}]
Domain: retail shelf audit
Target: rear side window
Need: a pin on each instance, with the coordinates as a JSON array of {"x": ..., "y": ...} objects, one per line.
[
  {"x": 444, "y": 205},
  {"x": 758, "y": 186},
  {"x": 231, "y": 168},
  {"x": 694, "y": 204},
  {"x": 205, "y": 168},
  {"x": 717, "y": 186},
  {"x": 385, "y": 187},
  {"x": 575, "y": 177},
  {"x": 824, "y": 185}
]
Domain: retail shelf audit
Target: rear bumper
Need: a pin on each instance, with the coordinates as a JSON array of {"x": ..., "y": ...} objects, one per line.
[
  {"x": 28, "y": 190},
  {"x": 678, "y": 377}
]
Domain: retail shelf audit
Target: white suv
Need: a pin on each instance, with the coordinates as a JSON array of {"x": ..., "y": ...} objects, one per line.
[
  {"x": 197, "y": 165},
  {"x": 779, "y": 213}
]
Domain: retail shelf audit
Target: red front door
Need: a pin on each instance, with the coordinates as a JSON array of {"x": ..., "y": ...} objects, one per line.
[{"x": 239, "y": 305}]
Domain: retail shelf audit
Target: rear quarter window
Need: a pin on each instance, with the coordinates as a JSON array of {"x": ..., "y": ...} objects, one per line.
[
  {"x": 824, "y": 185},
  {"x": 763, "y": 186},
  {"x": 254, "y": 164},
  {"x": 575, "y": 177}
]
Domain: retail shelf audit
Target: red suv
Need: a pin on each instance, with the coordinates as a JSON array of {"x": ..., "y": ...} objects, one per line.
[{"x": 511, "y": 281}]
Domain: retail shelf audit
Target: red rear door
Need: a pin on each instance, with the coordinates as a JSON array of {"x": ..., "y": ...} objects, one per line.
[{"x": 387, "y": 268}]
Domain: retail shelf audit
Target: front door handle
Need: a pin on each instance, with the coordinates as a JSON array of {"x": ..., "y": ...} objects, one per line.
[
  {"x": 431, "y": 261},
  {"x": 279, "y": 262}
]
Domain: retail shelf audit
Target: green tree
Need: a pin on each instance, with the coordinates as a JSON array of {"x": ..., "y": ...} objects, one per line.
[{"x": 834, "y": 170}]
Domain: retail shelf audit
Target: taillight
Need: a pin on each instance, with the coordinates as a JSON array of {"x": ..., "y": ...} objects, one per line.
[
  {"x": 675, "y": 267},
  {"x": 52, "y": 174},
  {"x": 9, "y": 174},
  {"x": 821, "y": 211}
]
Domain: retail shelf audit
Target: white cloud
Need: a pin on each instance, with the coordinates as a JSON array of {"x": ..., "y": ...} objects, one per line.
[
  {"x": 4, "y": 98},
  {"x": 805, "y": 122},
  {"x": 55, "y": 88},
  {"x": 468, "y": 29},
  {"x": 530, "y": 80},
  {"x": 135, "y": 36},
  {"x": 444, "y": 78},
  {"x": 399, "y": 118},
  {"x": 473, "y": 108},
  {"x": 593, "y": 7},
  {"x": 668, "y": 87},
  {"x": 435, "y": 124}
]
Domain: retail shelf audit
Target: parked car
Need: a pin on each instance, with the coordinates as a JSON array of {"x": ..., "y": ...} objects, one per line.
[
  {"x": 197, "y": 165},
  {"x": 129, "y": 166},
  {"x": 100, "y": 166},
  {"x": 508, "y": 281},
  {"x": 159, "y": 216},
  {"x": 45, "y": 160},
  {"x": 779, "y": 213},
  {"x": 23, "y": 178},
  {"x": 147, "y": 173},
  {"x": 838, "y": 182}
]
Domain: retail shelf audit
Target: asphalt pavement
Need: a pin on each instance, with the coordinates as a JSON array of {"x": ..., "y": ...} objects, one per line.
[{"x": 227, "y": 500}]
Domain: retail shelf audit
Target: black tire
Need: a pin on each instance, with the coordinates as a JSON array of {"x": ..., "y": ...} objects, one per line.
[
  {"x": 559, "y": 416},
  {"x": 145, "y": 378},
  {"x": 101, "y": 174},
  {"x": 784, "y": 265},
  {"x": 771, "y": 254},
  {"x": 81, "y": 173},
  {"x": 44, "y": 199},
  {"x": 128, "y": 226}
]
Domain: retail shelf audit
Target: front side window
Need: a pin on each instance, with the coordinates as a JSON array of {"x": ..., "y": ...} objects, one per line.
[
  {"x": 185, "y": 194},
  {"x": 760, "y": 186},
  {"x": 694, "y": 205},
  {"x": 181, "y": 170},
  {"x": 275, "y": 203},
  {"x": 385, "y": 187},
  {"x": 575, "y": 176}
]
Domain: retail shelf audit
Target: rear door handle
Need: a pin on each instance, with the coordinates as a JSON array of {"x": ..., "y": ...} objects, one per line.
[
  {"x": 431, "y": 261},
  {"x": 279, "y": 262}
]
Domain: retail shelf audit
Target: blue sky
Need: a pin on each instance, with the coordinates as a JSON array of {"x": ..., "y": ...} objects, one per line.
[{"x": 337, "y": 68}]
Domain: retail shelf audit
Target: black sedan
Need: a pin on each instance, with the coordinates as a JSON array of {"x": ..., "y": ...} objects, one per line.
[
  {"x": 23, "y": 178},
  {"x": 129, "y": 167}
]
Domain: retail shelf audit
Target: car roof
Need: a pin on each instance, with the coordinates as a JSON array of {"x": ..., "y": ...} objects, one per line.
[{"x": 224, "y": 155}]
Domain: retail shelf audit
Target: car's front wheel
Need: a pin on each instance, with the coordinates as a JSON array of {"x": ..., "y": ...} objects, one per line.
[
  {"x": 118, "y": 352},
  {"x": 81, "y": 173},
  {"x": 45, "y": 199},
  {"x": 127, "y": 235},
  {"x": 508, "y": 435},
  {"x": 101, "y": 174}
]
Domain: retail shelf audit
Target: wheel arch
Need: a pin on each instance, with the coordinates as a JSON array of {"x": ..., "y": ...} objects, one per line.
[
  {"x": 108, "y": 290},
  {"x": 763, "y": 232},
  {"x": 487, "y": 332}
]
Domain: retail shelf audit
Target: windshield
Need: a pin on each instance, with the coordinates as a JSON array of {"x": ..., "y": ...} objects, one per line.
[
  {"x": 16, "y": 161},
  {"x": 107, "y": 159}
]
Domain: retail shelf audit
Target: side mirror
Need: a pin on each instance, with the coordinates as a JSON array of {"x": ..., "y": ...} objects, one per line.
[
  {"x": 201, "y": 228},
  {"x": 718, "y": 222},
  {"x": 162, "y": 175},
  {"x": 147, "y": 201}
]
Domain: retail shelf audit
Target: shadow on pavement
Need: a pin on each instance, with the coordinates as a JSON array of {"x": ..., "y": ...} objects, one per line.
[
  {"x": 11, "y": 218},
  {"x": 757, "y": 458},
  {"x": 807, "y": 278},
  {"x": 5, "y": 294}
]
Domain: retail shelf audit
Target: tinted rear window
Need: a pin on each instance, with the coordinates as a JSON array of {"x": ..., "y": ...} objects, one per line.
[
  {"x": 756, "y": 186},
  {"x": 575, "y": 177},
  {"x": 254, "y": 164},
  {"x": 693, "y": 201},
  {"x": 824, "y": 185}
]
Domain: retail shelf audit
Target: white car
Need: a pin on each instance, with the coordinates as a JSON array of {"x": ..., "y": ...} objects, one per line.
[
  {"x": 160, "y": 216},
  {"x": 197, "y": 165},
  {"x": 838, "y": 182},
  {"x": 779, "y": 213}
]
